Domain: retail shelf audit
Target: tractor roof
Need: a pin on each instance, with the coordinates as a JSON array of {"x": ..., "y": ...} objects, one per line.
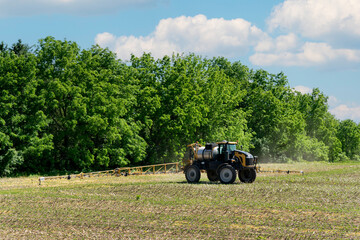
[{"x": 226, "y": 142}]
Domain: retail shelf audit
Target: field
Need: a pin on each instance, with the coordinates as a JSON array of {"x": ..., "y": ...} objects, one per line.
[{"x": 324, "y": 203}]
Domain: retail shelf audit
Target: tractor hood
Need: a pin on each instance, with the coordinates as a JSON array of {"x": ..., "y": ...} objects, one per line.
[
  {"x": 250, "y": 160},
  {"x": 248, "y": 155}
]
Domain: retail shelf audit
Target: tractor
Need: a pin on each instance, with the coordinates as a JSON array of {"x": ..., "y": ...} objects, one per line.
[{"x": 221, "y": 161}]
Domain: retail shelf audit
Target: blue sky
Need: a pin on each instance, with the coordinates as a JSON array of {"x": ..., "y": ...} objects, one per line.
[{"x": 316, "y": 43}]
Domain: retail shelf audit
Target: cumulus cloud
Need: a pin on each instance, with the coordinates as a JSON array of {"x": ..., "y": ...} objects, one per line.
[
  {"x": 333, "y": 101},
  {"x": 303, "y": 89},
  {"x": 320, "y": 33},
  {"x": 279, "y": 44},
  {"x": 210, "y": 37},
  {"x": 318, "y": 19},
  {"x": 345, "y": 112},
  {"x": 9, "y": 8},
  {"x": 230, "y": 38},
  {"x": 310, "y": 54},
  {"x": 313, "y": 31}
]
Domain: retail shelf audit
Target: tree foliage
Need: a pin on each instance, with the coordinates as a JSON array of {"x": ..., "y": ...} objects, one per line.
[{"x": 67, "y": 109}]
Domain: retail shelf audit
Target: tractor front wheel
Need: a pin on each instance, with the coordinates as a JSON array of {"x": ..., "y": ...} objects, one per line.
[
  {"x": 227, "y": 174},
  {"x": 247, "y": 175},
  {"x": 192, "y": 174}
]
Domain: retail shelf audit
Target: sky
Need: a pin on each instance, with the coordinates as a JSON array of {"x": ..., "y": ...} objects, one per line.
[{"x": 316, "y": 43}]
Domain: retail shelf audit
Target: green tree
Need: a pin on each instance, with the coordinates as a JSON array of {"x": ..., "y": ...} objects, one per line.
[
  {"x": 20, "y": 48},
  {"x": 223, "y": 95},
  {"x": 184, "y": 99},
  {"x": 87, "y": 97},
  {"x": 63, "y": 108},
  {"x": 277, "y": 124},
  {"x": 349, "y": 136},
  {"x": 327, "y": 133},
  {"x": 23, "y": 125},
  {"x": 314, "y": 107},
  {"x": 3, "y": 47}
]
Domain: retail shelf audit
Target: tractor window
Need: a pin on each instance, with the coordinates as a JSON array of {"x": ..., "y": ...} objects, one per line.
[
  {"x": 221, "y": 149},
  {"x": 231, "y": 147}
]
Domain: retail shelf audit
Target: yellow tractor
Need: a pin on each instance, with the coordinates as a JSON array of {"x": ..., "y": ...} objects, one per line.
[{"x": 220, "y": 160}]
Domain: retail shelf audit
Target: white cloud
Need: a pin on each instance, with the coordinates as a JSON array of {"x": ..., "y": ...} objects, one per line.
[
  {"x": 303, "y": 89},
  {"x": 345, "y": 112},
  {"x": 286, "y": 42},
  {"x": 106, "y": 39},
  {"x": 330, "y": 26},
  {"x": 279, "y": 44},
  {"x": 310, "y": 54},
  {"x": 333, "y": 101},
  {"x": 9, "y": 8},
  {"x": 211, "y": 37},
  {"x": 229, "y": 38},
  {"x": 318, "y": 19},
  {"x": 320, "y": 33}
]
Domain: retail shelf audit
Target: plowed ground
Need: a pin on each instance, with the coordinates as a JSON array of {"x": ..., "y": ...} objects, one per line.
[{"x": 324, "y": 203}]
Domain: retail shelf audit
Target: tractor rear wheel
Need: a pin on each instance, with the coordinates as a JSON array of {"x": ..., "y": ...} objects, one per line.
[
  {"x": 227, "y": 174},
  {"x": 192, "y": 174},
  {"x": 247, "y": 175},
  {"x": 212, "y": 176}
]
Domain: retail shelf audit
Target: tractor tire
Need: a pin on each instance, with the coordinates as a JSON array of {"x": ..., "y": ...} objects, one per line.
[
  {"x": 192, "y": 174},
  {"x": 227, "y": 174},
  {"x": 247, "y": 175},
  {"x": 212, "y": 176}
]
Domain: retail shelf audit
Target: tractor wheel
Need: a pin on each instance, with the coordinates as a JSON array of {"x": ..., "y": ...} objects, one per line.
[
  {"x": 227, "y": 174},
  {"x": 212, "y": 176},
  {"x": 247, "y": 175},
  {"x": 192, "y": 174}
]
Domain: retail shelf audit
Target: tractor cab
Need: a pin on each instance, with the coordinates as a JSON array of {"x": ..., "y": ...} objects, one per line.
[{"x": 226, "y": 150}]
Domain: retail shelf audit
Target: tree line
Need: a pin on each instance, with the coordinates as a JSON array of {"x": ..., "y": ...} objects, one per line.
[{"x": 63, "y": 108}]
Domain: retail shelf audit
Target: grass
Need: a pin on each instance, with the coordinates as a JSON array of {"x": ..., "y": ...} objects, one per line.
[{"x": 324, "y": 203}]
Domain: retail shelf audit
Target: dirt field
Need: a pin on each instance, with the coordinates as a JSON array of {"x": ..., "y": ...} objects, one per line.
[{"x": 324, "y": 203}]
